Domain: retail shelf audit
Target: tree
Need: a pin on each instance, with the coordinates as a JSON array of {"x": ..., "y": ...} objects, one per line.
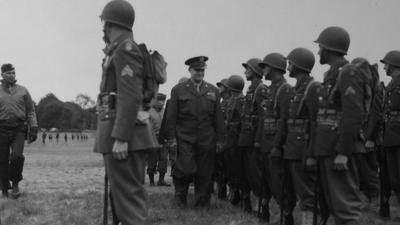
[{"x": 84, "y": 101}]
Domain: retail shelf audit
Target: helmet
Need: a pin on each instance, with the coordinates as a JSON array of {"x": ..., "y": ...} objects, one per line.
[
  {"x": 119, "y": 12},
  {"x": 274, "y": 60},
  {"x": 392, "y": 58},
  {"x": 254, "y": 65},
  {"x": 335, "y": 39},
  {"x": 222, "y": 82},
  {"x": 302, "y": 58},
  {"x": 235, "y": 83}
]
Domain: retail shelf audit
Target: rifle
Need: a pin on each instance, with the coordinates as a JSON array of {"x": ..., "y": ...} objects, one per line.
[
  {"x": 385, "y": 190},
  {"x": 105, "y": 206},
  {"x": 319, "y": 200}
]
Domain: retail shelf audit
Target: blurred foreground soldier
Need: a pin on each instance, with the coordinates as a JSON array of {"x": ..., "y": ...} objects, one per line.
[
  {"x": 158, "y": 157},
  {"x": 220, "y": 164},
  {"x": 337, "y": 138},
  {"x": 44, "y": 135},
  {"x": 250, "y": 176},
  {"x": 123, "y": 129},
  {"x": 391, "y": 138},
  {"x": 195, "y": 126},
  {"x": 17, "y": 122},
  {"x": 232, "y": 115},
  {"x": 303, "y": 110},
  {"x": 65, "y": 137},
  {"x": 270, "y": 138}
]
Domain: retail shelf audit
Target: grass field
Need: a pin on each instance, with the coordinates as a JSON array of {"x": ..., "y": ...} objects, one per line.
[{"x": 63, "y": 185}]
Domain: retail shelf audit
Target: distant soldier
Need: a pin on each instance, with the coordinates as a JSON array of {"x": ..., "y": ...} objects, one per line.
[
  {"x": 17, "y": 122},
  {"x": 195, "y": 126},
  {"x": 123, "y": 129},
  {"x": 270, "y": 137},
  {"x": 51, "y": 138},
  {"x": 391, "y": 139},
  {"x": 303, "y": 110},
  {"x": 57, "y": 137},
  {"x": 339, "y": 120},
  {"x": 158, "y": 157},
  {"x": 250, "y": 177},
  {"x": 44, "y": 136},
  {"x": 65, "y": 137},
  {"x": 77, "y": 137},
  {"x": 72, "y": 137},
  {"x": 220, "y": 162},
  {"x": 234, "y": 107}
]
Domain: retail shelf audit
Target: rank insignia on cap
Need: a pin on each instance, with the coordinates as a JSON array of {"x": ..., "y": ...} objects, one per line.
[{"x": 127, "y": 71}]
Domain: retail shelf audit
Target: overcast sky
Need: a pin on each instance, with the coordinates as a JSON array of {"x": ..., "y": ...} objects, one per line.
[{"x": 56, "y": 45}]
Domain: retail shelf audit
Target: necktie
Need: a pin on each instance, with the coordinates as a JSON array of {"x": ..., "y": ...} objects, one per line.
[{"x": 198, "y": 87}]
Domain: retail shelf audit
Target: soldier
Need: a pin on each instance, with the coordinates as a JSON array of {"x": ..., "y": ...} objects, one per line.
[
  {"x": 72, "y": 137},
  {"x": 220, "y": 160},
  {"x": 65, "y": 138},
  {"x": 339, "y": 119},
  {"x": 158, "y": 157},
  {"x": 234, "y": 106},
  {"x": 57, "y": 137},
  {"x": 51, "y": 138},
  {"x": 250, "y": 176},
  {"x": 124, "y": 130},
  {"x": 391, "y": 139},
  {"x": 303, "y": 110},
  {"x": 17, "y": 121},
  {"x": 271, "y": 135},
  {"x": 195, "y": 126}
]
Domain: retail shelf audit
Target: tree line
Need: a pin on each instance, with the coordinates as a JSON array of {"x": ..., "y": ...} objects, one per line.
[{"x": 72, "y": 115}]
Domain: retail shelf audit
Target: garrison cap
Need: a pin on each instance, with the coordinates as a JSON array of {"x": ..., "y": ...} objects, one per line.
[
  {"x": 198, "y": 62},
  {"x": 7, "y": 68},
  {"x": 161, "y": 96},
  {"x": 223, "y": 82}
]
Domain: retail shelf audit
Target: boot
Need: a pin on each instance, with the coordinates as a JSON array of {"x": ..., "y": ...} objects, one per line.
[
  {"x": 306, "y": 218},
  {"x": 161, "y": 181},
  {"x": 151, "y": 178},
  {"x": 15, "y": 193},
  {"x": 246, "y": 203}
]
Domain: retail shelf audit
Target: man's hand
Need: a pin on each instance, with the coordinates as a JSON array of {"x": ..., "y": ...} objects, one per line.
[
  {"x": 369, "y": 145},
  {"x": 340, "y": 162},
  {"x": 311, "y": 162},
  {"x": 32, "y": 134},
  {"x": 275, "y": 152},
  {"x": 120, "y": 150},
  {"x": 219, "y": 147}
]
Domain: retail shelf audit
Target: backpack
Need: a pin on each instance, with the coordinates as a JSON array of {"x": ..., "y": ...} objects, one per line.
[{"x": 155, "y": 73}]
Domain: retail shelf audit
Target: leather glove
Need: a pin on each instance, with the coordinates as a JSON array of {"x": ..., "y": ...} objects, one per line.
[
  {"x": 32, "y": 134},
  {"x": 340, "y": 162}
]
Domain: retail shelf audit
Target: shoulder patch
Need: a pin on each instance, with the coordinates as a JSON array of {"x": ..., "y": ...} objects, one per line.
[
  {"x": 128, "y": 46},
  {"x": 127, "y": 71},
  {"x": 350, "y": 91}
]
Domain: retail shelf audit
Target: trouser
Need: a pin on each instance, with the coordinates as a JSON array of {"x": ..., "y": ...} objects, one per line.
[
  {"x": 367, "y": 164},
  {"x": 243, "y": 169},
  {"x": 341, "y": 190},
  {"x": 233, "y": 166},
  {"x": 194, "y": 161},
  {"x": 126, "y": 184},
  {"x": 393, "y": 165},
  {"x": 303, "y": 183},
  {"x": 255, "y": 170},
  {"x": 11, "y": 165},
  {"x": 220, "y": 172},
  {"x": 157, "y": 160}
]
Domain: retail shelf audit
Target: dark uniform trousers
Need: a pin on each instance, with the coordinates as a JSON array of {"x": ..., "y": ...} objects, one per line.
[
  {"x": 367, "y": 164},
  {"x": 129, "y": 208},
  {"x": 11, "y": 166},
  {"x": 157, "y": 160},
  {"x": 393, "y": 163}
]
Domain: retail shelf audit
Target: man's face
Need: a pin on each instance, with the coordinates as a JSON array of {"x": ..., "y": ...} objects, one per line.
[
  {"x": 249, "y": 73},
  {"x": 322, "y": 55},
  {"x": 106, "y": 28},
  {"x": 197, "y": 74},
  {"x": 9, "y": 76},
  {"x": 291, "y": 70},
  {"x": 267, "y": 72}
]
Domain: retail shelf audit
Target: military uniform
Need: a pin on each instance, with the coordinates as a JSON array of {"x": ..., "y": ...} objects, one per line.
[
  {"x": 391, "y": 138},
  {"x": 120, "y": 116},
  {"x": 303, "y": 110},
  {"x": 339, "y": 121},
  {"x": 195, "y": 122}
]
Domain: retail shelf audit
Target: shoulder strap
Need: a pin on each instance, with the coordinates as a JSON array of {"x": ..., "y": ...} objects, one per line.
[
  {"x": 303, "y": 99},
  {"x": 278, "y": 92}
]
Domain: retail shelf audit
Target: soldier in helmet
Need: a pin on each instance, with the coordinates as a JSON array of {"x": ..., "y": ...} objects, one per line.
[
  {"x": 391, "y": 138},
  {"x": 303, "y": 110},
  {"x": 271, "y": 135},
  {"x": 232, "y": 115},
  {"x": 250, "y": 176},
  {"x": 195, "y": 127},
  {"x": 220, "y": 162},
  {"x": 337, "y": 137},
  {"x": 124, "y": 130}
]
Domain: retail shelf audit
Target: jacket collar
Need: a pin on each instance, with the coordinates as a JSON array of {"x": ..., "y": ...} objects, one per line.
[{"x": 394, "y": 83}]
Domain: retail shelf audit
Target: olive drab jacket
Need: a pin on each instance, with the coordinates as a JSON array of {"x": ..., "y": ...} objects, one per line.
[
  {"x": 195, "y": 116},
  {"x": 233, "y": 112},
  {"x": 251, "y": 109},
  {"x": 271, "y": 130},
  {"x": 392, "y": 114},
  {"x": 341, "y": 112},
  {"x": 375, "y": 121},
  {"x": 303, "y": 110},
  {"x": 120, "y": 99}
]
